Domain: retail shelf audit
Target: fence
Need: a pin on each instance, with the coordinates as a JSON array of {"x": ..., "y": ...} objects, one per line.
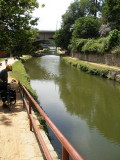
[{"x": 67, "y": 148}]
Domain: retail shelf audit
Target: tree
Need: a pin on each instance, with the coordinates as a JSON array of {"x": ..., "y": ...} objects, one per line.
[
  {"x": 111, "y": 13},
  {"x": 91, "y": 7},
  {"x": 16, "y": 24},
  {"x": 62, "y": 38},
  {"x": 77, "y": 9},
  {"x": 86, "y": 27},
  {"x": 24, "y": 42},
  {"x": 74, "y": 11},
  {"x": 94, "y": 7}
]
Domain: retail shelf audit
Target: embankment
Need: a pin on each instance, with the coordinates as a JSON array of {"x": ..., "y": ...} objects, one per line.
[
  {"x": 109, "y": 59},
  {"x": 102, "y": 70}
]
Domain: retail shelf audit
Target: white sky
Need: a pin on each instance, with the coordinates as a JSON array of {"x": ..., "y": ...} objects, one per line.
[{"x": 50, "y": 15}]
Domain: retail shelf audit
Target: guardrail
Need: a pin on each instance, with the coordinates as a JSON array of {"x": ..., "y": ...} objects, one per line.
[{"x": 67, "y": 148}]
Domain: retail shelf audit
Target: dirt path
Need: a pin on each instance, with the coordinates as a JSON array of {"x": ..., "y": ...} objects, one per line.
[
  {"x": 16, "y": 140},
  {"x": 99, "y": 65}
]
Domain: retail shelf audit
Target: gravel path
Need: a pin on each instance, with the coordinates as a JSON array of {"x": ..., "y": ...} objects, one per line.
[
  {"x": 16, "y": 140},
  {"x": 99, "y": 64}
]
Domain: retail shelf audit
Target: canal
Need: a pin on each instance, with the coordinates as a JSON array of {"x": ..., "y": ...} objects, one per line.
[{"x": 85, "y": 108}]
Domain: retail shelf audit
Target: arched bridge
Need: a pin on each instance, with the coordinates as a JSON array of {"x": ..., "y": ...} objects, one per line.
[{"x": 46, "y": 35}]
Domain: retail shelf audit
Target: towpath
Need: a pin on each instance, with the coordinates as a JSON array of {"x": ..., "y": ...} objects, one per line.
[
  {"x": 99, "y": 64},
  {"x": 17, "y": 142}
]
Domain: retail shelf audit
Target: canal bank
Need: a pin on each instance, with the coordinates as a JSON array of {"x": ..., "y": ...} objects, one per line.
[
  {"x": 84, "y": 107},
  {"x": 71, "y": 112},
  {"x": 65, "y": 143},
  {"x": 17, "y": 141},
  {"x": 102, "y": 70}
]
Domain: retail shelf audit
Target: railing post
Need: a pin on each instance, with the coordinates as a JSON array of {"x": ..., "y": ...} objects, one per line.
[
  {"x": 65, "y": 154},
  {"x": 23, "y": 95},
  {"x": 21, "y": 92},
  {"x": 67, "y": 149},
  {"x": 30, "y": 113}
]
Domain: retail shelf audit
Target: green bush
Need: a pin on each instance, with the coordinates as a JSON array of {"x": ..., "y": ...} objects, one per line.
[
  {"x": 116, "y": 50},
  {"x": 77, "y": 44},
  {"x": 114, "y": 38},
  {"x": 99, "y": 71},
  {"x": 102, "y": 45},
  {"x": 89, "y": 47},
  {"x": 96, "y": 46},
  {"x": 86, "y": 27}
]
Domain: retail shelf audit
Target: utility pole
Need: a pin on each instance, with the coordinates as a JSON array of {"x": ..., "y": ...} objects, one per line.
[
  {"x": 56, "y": 30},
  {"x": 56, "y": 25}
]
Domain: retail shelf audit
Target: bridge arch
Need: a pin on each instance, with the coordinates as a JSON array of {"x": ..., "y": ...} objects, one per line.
[{"x": 46, "y": 35}]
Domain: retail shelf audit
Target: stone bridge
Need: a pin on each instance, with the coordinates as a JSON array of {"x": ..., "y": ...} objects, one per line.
[
  {"x": 46, "y": 35},
  {"x": 45, "y": 38}
]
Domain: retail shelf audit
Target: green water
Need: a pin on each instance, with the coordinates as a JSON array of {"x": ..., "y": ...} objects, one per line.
[{"x": 85, "y": 108}]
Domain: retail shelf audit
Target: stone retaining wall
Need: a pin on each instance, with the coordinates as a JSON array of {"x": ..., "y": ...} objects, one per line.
[{"x": 109, "y": 59}]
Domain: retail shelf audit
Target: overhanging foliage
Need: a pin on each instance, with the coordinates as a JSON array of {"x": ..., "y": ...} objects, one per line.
[{"x": 16, "y": 33}]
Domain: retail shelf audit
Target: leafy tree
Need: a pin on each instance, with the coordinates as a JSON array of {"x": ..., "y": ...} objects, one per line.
[
  {"x": 77, "y": 9},
  {"x": 24, "y": 43},
  {"x": 111, "y": 12},
  {"x": 95, "y": 6},
  {"x": 74, "y": 12},
  {"x": 80, "y": 8},
  {"x": 16, "y": 23},
  {"x": 62, "y": 38},
  {"x": 91, "y": 7},
  {"x": 86, "y": 27}
]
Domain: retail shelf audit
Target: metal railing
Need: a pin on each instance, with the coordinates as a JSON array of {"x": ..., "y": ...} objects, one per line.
[{"x": 67, "y": 148}]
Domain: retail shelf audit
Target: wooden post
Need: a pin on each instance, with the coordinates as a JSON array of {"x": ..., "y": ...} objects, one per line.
[
  {"x": 30, "y": 112},
  {"x": 65, "y": 154},
  {"x": 23, "y": 96}
]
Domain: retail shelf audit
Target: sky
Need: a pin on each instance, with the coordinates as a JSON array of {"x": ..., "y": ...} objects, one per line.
[{"x": 50, "y": 15}]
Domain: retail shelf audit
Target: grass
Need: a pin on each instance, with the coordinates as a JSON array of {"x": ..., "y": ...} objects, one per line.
[
  {"x": 19, "y": 73},
  {"x": 2, "y": 59},
  {"x": 106, "y": 72},
  {"x": 101, "y": 71},
  {"x": 86, "y": 67}
]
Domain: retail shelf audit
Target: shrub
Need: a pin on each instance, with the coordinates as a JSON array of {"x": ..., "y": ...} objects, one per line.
[
  {"x": 89, "y": 47},
  {"x": 116, "y": 50},
  {"x": 100, "y": 71},
  {"x": 77, "y": 44},
  {"x": 86, "y": 27},
  {"x": 96, "y": 46},
  {"x": 104, "y": 42},
  {"x": 99, "y": 46},
  {"x": 114, "y": 38}
]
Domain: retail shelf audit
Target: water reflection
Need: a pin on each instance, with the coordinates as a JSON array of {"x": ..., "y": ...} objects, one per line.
[
  {"x": 39, "y": 68},
  {"x": 84, "y": 107},
  {"x": 93, "y": 99}
]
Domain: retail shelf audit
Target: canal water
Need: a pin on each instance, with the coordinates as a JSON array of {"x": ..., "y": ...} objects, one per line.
[{"x": 85, "y": 108}]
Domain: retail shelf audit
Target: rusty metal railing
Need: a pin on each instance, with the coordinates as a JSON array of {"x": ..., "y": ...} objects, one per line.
[{"x": 67, "y": 148}]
